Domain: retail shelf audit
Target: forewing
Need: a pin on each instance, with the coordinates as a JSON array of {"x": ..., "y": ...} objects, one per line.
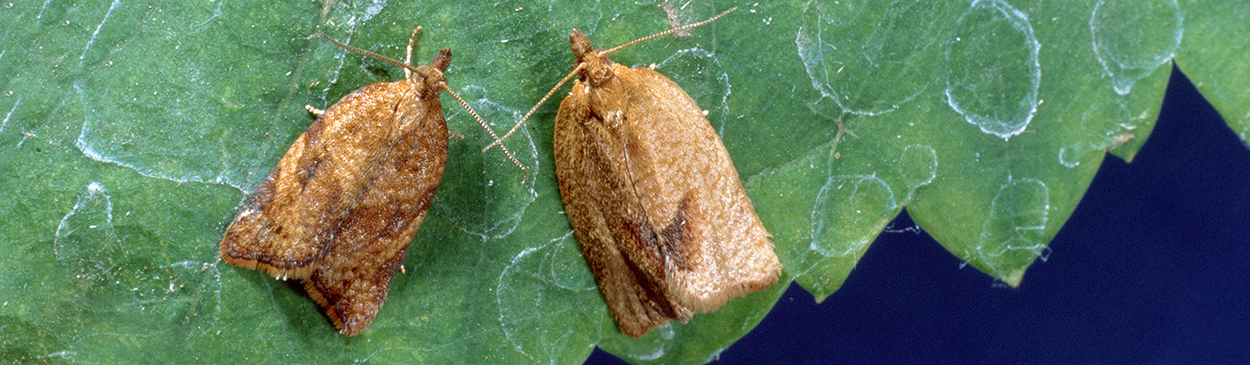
[
  {"x": 607, "y": 218},
  {"x": 293, "y": 215},
  {"x": 692, "y": 193},
  {"x": 352, "y": 280}
]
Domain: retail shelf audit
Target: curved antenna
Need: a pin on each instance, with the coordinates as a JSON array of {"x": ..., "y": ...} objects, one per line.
[
  {"x": 407, "y": 67},
  {"x": 499, "y": 141},
  {"x": 525, "y": 173},
  {"x": 408, "y": 56},
  {"x": 667, "y": 32}
]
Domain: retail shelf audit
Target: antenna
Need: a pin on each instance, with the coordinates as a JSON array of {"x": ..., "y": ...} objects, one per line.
[
  {"x": 409, "y": 69},
  {"x": 499, "y": 141}
]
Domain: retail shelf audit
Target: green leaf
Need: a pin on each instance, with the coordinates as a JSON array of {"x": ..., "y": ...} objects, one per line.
[
  {"x": 132, "y": 131},
  {"x": 1212, "y": 56},
  {"x": 986, "y": 120}
]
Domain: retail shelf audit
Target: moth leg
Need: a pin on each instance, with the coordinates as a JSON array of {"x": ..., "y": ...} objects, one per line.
[{"x": 314, "y": 110}]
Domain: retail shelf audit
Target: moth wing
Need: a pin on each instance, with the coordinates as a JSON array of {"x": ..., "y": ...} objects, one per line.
[
  {"x": 404, "y": 170},
  {"x": 286, "y": 222},
  {"x": 257, "y": 238},
  {"x": 293, "y": 215},
  {"x": 717, "y": 247},
  {"x": 608, "y": 219}
]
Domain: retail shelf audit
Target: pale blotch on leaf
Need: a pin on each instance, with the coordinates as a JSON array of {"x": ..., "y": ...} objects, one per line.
[
  {"x": 1133, "y": 38},
  {"x": 992, "y": 57},
  {"x": 1013, "y": 234}
]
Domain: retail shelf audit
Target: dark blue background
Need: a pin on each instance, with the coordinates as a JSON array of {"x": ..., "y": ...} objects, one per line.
[{"x": 1152, "y": 268}]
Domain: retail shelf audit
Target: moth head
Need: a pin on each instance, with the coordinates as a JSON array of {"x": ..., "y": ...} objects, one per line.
[
  {"x": 430, "y": 79},
  {"x": 594, "y": 63}
]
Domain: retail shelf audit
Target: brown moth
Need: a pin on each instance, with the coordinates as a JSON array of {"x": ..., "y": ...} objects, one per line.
[
  {"x": 345, "y": 201},
  {"x": 651, "y": 193}
]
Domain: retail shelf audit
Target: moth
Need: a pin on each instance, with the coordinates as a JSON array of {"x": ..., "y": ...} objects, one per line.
[
  {"x": 343, "y": 204},
  {"x": 652, "y": 195}
]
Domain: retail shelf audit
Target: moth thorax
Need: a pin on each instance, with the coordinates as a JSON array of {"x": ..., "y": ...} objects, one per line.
[
  {"x": 427, "y": 81},
  {"x": 597, "y": 71}
]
